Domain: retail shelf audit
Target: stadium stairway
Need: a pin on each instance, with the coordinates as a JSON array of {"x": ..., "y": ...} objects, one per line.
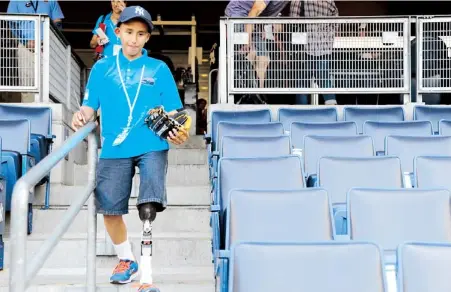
[{"x": 182, "y": 237}]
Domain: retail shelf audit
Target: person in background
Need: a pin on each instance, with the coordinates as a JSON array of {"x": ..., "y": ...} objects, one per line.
[
  {"x": 319, "y": 45},
  {"x": 111, "y": 45},
  {"x": 24, "y": 32},
  {"x": 256, "y": 48}
]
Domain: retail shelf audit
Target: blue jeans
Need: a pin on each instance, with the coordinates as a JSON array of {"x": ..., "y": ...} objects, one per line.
[
  {"x": 319, "y": 68},
  {"x": 115, "y": 177}
]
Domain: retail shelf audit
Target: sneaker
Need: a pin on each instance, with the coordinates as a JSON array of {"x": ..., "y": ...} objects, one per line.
[
  {"x": 330, "y": 102},
  {"x": 148, "y": 288},
  {"x": 124, "y": 272}
]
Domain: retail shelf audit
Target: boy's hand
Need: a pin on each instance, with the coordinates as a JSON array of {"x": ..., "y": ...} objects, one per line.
[
  {"x": 178, "y": 136},
  {"x": 78, "y": 120}
]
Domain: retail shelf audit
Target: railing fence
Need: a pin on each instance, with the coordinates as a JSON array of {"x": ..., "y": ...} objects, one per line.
[{"x": 334, "y": 55}]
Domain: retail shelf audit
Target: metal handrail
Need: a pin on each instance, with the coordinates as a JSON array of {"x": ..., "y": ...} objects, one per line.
[
  {"x": 20, "y": 276},
  {"x": 210, "y": 86}
]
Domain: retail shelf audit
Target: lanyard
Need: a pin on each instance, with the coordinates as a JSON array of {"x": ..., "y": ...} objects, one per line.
[{"x": 130, "y": 105}]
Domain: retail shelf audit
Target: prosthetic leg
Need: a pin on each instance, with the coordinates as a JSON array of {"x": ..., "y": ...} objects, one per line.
[{"x": 147, "y": 214}]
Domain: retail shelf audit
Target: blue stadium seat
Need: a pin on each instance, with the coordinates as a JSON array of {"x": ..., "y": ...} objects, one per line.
[
  {"x": 269, "y": 129},
  {"x": 379, "y": 130},
  {"x": 432, "y": 171},
  {"x": 424, "y": 267},
  {"x": 339, "y": 174},
  {"x": 243, "y": 146},
  {"x": 245, "y": 116},
  {"x": 41, "y": 126},
  {"x": 391, "y": 217},
  {"x": 316, "y": 147},
  {"x": 408, "y": 147},
  {"x": 360, "y": 115},
  {"x": 306, "y": 115},
  {"x": 16, "y": 157},
  {"x": 41, "y": 138},
  {"x": 2, "y": 208},
  {"x": 309, "y": 266},
  {"x": 271, "y": 173},
  {"x": 299, "y": 130},
  {"x": 444, "y": 127},
  {"x": 284, "y": 216},
  {"x": 432, "y": 113}
]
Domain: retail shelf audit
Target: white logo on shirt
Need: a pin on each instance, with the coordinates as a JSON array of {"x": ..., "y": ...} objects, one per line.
[
  {"x": 139, "y": 10},
  {"x": 86, "y": 94}
]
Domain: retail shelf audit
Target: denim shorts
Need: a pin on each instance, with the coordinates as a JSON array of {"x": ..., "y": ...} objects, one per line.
[{"x": 115, "y": 177}]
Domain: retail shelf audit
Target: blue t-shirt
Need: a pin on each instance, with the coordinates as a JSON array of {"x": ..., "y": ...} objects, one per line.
[
  {"x": 108, "y": 49},
  {"x": 104, "y": 90},
  {"x": 24, "y": 30}
]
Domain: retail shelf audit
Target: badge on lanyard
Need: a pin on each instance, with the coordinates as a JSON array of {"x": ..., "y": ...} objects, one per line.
[
  {"x": 116, "y": 49},
  {"x": 126, "y": 130}
]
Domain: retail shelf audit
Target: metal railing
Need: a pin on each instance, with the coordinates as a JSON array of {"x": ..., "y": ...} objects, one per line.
[
  {"x": 49, "y": 69},
  {"x": 315, "y": 55},
  {"x": 433, "y": 52},
  {"x": 20, "y": 275}
]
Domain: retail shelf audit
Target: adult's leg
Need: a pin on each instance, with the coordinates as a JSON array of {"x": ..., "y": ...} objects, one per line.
[
  {"x": 324, "y": 81},
  {"x": 26, "y": 63},
  {"x": 114, "y": 184},
  {"x": 152, "y": 199}
]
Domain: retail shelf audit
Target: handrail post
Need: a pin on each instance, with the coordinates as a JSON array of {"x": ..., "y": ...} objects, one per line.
[
  {"x": 19, "y": 208},
  {"x": 92, "y": 217},
  {"x": 20, "y": 276}
]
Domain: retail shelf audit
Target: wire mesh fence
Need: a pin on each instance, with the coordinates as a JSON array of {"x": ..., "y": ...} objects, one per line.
[
  {"x": 19, "y": 53},
  {"x": 432, "y": 70},
  {"x": 318, "y": 55}
]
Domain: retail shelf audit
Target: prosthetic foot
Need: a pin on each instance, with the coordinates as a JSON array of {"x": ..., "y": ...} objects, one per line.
[{"x": 147, "y": 214}]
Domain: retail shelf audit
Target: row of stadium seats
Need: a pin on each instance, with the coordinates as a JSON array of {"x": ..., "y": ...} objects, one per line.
[
  {"x": 25, "y": 135},
  {"x": 260, "y": 195},
  {"x": 336, "y": 266}
]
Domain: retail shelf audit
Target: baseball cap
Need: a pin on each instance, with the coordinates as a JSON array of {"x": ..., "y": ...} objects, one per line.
[{"x": 134, "y": 12}]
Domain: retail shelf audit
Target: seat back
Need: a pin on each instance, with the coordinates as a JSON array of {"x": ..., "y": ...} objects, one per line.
[
  {"x": 432, "y": 171},
  {"x": 15, "y": 135},
  {"x": 316, "y": 147},
  {"x": 248, "y": 130},
  {"x": 307, "y": 115},
  {"x": 242, "y": 146},
  {"x": 432, "y": 113},
  {"x": 339, "y": 174},
  {"x": 424, "y": 267},
  {"x": 272, "y": 173},
  {"x": 393, "y": 216},
  {"x": 408, "y": 147},
  {"x": 285, "y": 215},
  {"x": 379, "y": 130},
  {"x": 300, "y": 129},
  {"x": 360, "y": 115},
  {"x": 310, "y": 266},
  {"x": 444, "y": 127},
  {"x": 40, "y": 117},
  {"x": 245, "y": 116}
]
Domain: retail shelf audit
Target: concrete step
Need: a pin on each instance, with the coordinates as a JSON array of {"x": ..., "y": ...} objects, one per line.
[
  {"x": 170, "y": 250},
  {"x": 177, "y": 175},
  {"x": 172, "y": 220},
  {"x": 177, "y": 195}
]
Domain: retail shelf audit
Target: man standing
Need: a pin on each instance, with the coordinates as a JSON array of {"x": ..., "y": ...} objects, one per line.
[
  {"x": 24, "y": 32},
  {"x": 257, "y": 44},
  {"x": 111, "y": 45},
  {"x": 319, "y": 45},
  {"x": 126, "y": 87}
]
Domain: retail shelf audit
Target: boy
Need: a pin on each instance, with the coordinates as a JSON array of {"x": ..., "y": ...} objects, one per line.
[{"x": 126, "y": 87}]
